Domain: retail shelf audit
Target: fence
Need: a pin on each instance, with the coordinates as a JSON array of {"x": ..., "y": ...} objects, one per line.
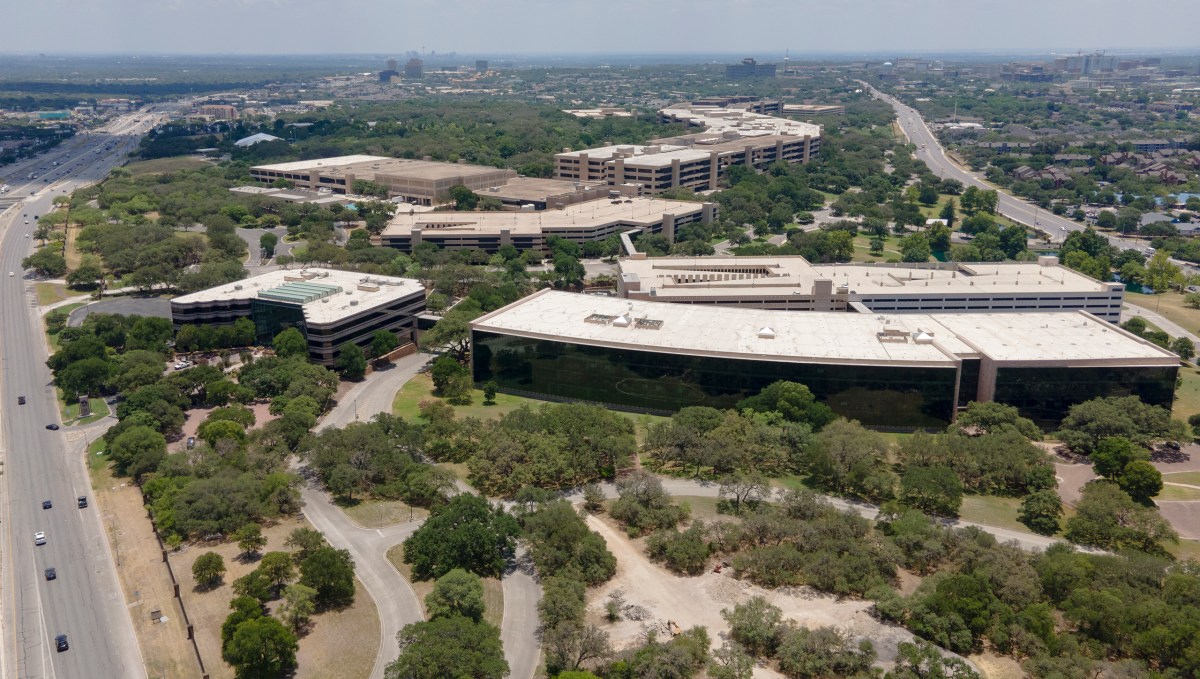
[{"x": 191, "y": 633}]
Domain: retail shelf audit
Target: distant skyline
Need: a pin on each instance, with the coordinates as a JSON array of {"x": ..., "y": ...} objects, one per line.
[{"x": 479, "y": 27}]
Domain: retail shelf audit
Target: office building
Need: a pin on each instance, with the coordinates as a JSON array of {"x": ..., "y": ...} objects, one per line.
[
  {"x": 793, "y": 284},
  {"x": 329, "y": 307},
  {"x": 218, "y": 111},
  {"x": 481, "y": 65},
  {"x": 421, "y": 182},
  {"x": 899, "y": 371},
  {"x": 814, "y": 110},
  {"x": 414, "y": 68},
  {"x": 731, "y": 136},
  {"x": 749, "y": 68},
  {"x": 593, "y": 220}
]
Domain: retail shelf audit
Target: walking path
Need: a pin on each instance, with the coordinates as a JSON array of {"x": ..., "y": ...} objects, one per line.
[{"x": 1166, "y": 325}]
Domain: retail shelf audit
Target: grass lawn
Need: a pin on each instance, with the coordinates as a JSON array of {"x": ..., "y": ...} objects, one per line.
[
  {"x": 1169, "y": 305},
  {"x": 992, "y": 511},
  {"x": 862, "y": 249},
  {"x": 1186, "y": 549},
  {"x": 380, "y": 513},
  {"x": 1187, "y": 396},
  {"x": 160, "y": 165},
  {"x": 1190, "y": 478},
  {"x": 1178, "y": 493},
  {"x": 70, "y": 411},
  {"x": 97, "y": 457},
  {"x": 704, "y": 508},
  {"x": 420, "y": 388},
  {"x": 49, "y": 293},
  {"x": 52, "y": 340}
]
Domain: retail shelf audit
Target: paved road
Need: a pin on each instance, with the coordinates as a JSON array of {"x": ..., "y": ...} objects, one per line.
[
  {"x": 930, "y": 150},
  {"x": 86, "y": 601},
  {"x": 1168, "y": 326},
  {"x": 141, "y": 306},
  {"x": 398, "y": 606}
]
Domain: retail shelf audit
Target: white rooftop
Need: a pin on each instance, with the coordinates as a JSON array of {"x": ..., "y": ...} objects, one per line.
[
  {"x": 255, "y": 138},
  {"x": 588, "y": 214},
  {"x": 718, "y": 120},
  {"x": 336, "y": 161},
  {"x": 822, "y": 337},
  {"x": 786, "y": 275},
  {"x": 358, "y": 292}
]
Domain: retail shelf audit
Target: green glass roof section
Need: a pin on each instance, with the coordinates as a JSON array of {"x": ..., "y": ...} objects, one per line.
[{"x": 299, "y": 292}]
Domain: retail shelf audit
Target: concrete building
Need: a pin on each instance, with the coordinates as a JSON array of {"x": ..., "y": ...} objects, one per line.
[
  {"x": 792, "y": 283},
  {"x": 218, "y": 111},
  {"x": 814, "y": 110},
  {"x": 749, "y": 68},
  {"x": 898, "y": 371},
  {"x": 414, "y": 68},
  {"x": 481, "y": 65},
  {"x": 593, "y": 220},
  {"x": 329, "y": 307},
  {"x": 731, "y": 136},
  {"x": 412, "y": 181}
]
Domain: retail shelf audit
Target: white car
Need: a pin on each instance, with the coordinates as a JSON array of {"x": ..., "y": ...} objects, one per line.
[{"x": 39, "y": 538}]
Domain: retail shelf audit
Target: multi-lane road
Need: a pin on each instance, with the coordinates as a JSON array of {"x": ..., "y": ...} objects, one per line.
[
  {"x": 85, "y": 601},
  {"x": 1016, "y": 209}
]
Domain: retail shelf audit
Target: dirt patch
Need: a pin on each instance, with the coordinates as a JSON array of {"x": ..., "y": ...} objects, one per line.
[
  {"x": 194, "y": 417},
  {"x": 909, "y": 581},
  {"x": 997, "y": 667},
  {"x": 144, "y": 579},
  {"x": 1071, "y": 480},
  {"x": 692, "y": 601},
  {"x": 382, "y": 513},
  {"x": 340, "y": 643}
]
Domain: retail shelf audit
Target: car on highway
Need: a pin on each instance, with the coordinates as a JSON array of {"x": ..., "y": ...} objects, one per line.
[
  {"x": 46, "y": 504},
  {"x": 51, "y": 574},
  {"x": 81, "y": 501},
  {"x": 52, "y": 427},
  {"x": 39, "y": 538},
  {"x": 60, "y": 643}
]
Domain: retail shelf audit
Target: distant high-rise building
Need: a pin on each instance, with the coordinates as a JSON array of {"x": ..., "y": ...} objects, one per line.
[
  {"x": 392, "y": 71},
  {"x": 749, "y": 68},
  {"x": 480, "y": 65},
  {"x": 415, "y": 68}
]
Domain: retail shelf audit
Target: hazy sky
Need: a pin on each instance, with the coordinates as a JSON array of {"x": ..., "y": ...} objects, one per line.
[{"x": 761, "y": 27}]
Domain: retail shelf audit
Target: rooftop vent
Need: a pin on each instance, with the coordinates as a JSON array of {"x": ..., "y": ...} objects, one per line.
[
  {"x": 647, "y": 324},
  {"x": 354, "y": 302},
  {"x": 766, "y": 332},
  {"x": 238, "y": 286},
  {"x": 622, "y": 321},
  {"x": 602, "y": 319},
  {"x": 923, "y": 337}
]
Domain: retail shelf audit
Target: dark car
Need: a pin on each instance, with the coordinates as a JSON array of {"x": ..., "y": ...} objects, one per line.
[
  {"x": 20, "y": 400},
  {"x": 82, "y": 501},
  {"x": 46, "y": 504},
  {"x": 51, "y": 574},
  {"x": 60, "y": 642},
  {"x": 52, "y": 427}
]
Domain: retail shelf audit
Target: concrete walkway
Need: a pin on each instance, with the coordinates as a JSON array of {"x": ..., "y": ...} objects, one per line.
[{"x": 1168, "y": 326}]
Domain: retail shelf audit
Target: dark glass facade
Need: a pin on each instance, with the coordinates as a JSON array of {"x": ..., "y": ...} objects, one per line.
[
  {"x": 1045, "y": 394},
  {"x": 271, "y": 318},
  {"x": 644, "y": 381}
]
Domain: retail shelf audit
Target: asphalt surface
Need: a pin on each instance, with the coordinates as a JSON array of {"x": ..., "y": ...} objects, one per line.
[
  {"x": 85, "y": 601},
  {"x": 140, "y": 306},
  {"x": 930, "y": 150}
]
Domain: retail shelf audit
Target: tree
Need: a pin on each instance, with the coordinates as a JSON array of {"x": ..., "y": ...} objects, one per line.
[
  {"x": 1141, "y": 480},
  {"x": 277, "y": 568},
  {"x": 244, "y": 608},
  {"x": 1113, "y": 454},
  {"x": 299, "y": 604},
  {"x": 208, "y": 570},
  {"x": 290, "y": 342},
  {"x": 267, "y": 243},
  {"x": 351, "y": 362},
  {"x": 948, "y": 213},
  {"x": 451, "y": 646},
  {"x": 305, "y": 541},
  {"x": 87, "y": 275},
  {"x": 914, "y": 248},
  {"x": 466, "y": 533},
  {"x": 1041, "y": 511},
  {"x": 463, "y": 197},
  {"x": 730, "y": 661},
  {"x": 742, "y": 488},
  {"x": 569, "y": 645},
  {"x": 1161, "y": 274},
  {"x": 1087, "y": 423},
  {"x": 755, "y": 625},
  {"x": 923, "y": 660},
  {"x": 992, "y": 417},
  {"x": 47, "y": 262},
  {"x": 823, "y": 652},
  {"x": 489, "y": 393},
  {"x": 1108, "y": 518},
  {"x": 936, "y": 490},
  {"x": 792, "y": 400},
  {"x": 261, "y": 648},
  {"x": 137, "y": 451},
  {"x": 456, "y": 593},
  {"x": 330, "y": 572},
  {"x": 382, "y": 343},
  {"x": 250, "y": 538},
  {"x": 1184, "y": 348}
]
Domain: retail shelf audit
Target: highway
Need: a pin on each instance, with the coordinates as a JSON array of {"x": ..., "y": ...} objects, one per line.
[
  {"x": 1016, "y": 209},
  {"x": 85, "y": 602}
]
